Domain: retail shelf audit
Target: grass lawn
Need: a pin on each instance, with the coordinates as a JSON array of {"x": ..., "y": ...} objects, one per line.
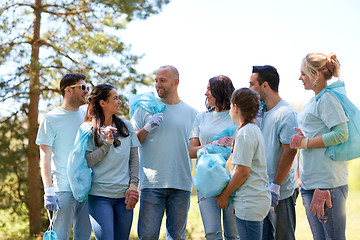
[
  {"x": 12, "y": 227},
  {"x": 195, "y": 228}
]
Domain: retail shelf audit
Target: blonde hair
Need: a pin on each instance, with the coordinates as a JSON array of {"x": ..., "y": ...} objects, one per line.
[{"x": 315, "y": 63}]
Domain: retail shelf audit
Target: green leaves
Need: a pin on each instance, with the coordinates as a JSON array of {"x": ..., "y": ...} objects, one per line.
[{"x": 41, "y": 41}]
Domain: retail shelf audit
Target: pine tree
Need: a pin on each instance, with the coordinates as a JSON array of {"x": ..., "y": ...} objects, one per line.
[{"x": 42, "y": 40}]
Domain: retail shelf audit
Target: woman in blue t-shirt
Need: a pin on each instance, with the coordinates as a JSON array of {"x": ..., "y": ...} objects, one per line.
[
  {"x": 323, "y": 123},
  {"x": 206, "y": 125},
  {"x": 112, "y": 154}
]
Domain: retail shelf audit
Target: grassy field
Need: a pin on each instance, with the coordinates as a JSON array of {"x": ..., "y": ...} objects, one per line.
[
  {"x": 15, "y": 227},
  {"x": 195, "y": 228}
]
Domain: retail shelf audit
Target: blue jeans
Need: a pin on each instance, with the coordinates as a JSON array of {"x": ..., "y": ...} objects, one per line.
[
  {"x": 249, "y": 230},
  {"x": 109, "y": 217},
  {"x": 71, "y": 212},
  {"x": 211, "y": 217},
  {"x": 153, "y": 203},
  {"x": 334, "y": 227},
  {"x": 280, "y": 223}
]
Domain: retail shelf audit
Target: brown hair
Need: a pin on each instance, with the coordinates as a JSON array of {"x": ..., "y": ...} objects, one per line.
[
  {"x": 221, "y": 88},
  {"x": 70, "y": 79},
  {"x": 248, "y": 102},
  {"x": 95, "y": 113}
]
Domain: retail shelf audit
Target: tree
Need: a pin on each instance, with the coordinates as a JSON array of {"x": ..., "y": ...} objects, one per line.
[{"x": 42, "y": 40}]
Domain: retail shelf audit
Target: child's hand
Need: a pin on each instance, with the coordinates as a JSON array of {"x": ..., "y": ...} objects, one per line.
[
  {"x": 222, "y": 201},
  {"x": 224, "y": 142}
]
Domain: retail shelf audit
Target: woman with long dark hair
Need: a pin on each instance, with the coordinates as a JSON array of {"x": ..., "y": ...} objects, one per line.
[
  {"x": 206, "y": 125},
  {"x": 112, "y": 154}
]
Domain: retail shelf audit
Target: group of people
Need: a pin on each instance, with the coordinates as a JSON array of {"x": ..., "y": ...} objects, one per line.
[{"x": 154, "y": 151}]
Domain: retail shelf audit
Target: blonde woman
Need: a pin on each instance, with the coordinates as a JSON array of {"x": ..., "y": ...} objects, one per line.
[{"x": 322, "y": 123}]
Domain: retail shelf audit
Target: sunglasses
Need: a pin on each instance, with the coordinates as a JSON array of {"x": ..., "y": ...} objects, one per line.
[
  {"x": 82, "y": 86},
  {"x": 117, "y": 141}
]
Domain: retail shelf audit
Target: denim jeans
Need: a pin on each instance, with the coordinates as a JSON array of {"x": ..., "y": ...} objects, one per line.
[
  {"x": 211, "y": 217},
  {"x": 109, "y": 217},
  {"x": 71, "y": 212},
  {"x": 249, "y": 230},
  {"x": 334, "y": 227},
  {"x": 153, "y": 203},
  {"x": 280, "y": 223}
]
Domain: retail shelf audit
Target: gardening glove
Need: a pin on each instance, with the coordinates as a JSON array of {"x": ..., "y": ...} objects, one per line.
[
  {"x": 275, "y": 194},
  {"x": 298, "y": 141},
  {"x": 320, "y": 198},
  {"x": 154, "y": 122},
  {"x": 51, "y": 201},
  {"x": 131, "y": 196}
]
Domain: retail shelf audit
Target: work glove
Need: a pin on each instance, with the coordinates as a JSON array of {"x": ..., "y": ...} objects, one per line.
[
  {"x": 154, "y": 122},
  {"x": 275, "y": 194},
  {"x": 321, "y": 198},
  {"x": 298, "y": 141},
  {"x": 131, "y": 196},
  {"x": 51, "y": 201}
]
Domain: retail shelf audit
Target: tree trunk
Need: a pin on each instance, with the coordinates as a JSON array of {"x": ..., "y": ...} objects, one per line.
[{"x": 35, "y": 199}]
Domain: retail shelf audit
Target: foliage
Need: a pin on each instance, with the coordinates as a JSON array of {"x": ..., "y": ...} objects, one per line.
[
  {"x": 40, "y": 41},
  {"x": 13, "y": 168},
  {"x": 75, "y": 36}
]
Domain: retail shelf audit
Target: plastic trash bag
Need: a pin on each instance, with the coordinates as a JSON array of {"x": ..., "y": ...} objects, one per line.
[
  {"x": 79, "y": 174},
  {"x": 50, "y": 233},
  {"x": 210, "y": 175},
  {"x": 351, "y": 148},
  {"x": 213, "y": 149},
  {"x": 147, "y": 101}
]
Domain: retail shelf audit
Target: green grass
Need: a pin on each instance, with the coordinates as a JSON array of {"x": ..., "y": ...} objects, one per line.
[
  {"x": 195, "y": 228},
  {"x": 14, "y": 227}
]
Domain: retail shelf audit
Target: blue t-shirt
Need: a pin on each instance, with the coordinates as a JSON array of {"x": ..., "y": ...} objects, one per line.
[
  {"x": 316, "y": 169},
  {"x": 112, "y": 174},
  {"x": 58, "y": 129},
  {"x": 164, "y": 154},
  {"x": 252, "y": 199},
  {"x": 208, "y": 124},
  {"x": 277, "y": 126}
]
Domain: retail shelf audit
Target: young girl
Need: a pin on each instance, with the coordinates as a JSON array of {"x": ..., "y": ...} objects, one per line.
[
  {"x": 112, "y": 155},
  {"x": 247, "y": 165}
]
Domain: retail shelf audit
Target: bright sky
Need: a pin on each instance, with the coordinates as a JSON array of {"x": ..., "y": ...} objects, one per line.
[{"x": 205, "y": 38}]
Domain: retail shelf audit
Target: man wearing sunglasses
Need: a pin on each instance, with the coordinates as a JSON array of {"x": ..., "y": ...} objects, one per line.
[{"x": 56, "y": 138}]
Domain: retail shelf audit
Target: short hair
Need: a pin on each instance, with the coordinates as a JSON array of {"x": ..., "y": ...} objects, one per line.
[
  {"x": 70, "y": 79},
  {"x": 267, "y": 74},
  {"x": 314, "y": 63},
  {"x": 172, "y": 69},
  {"x": 221, "y": 88}
]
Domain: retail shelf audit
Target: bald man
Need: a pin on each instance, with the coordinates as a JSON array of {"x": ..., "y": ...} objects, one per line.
[{"x": 165, "y": 165}]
